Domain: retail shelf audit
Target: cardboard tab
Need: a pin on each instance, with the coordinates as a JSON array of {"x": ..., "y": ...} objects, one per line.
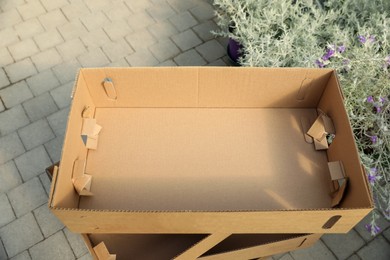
[
  {"x": 109, "y": 88},
  {"x": 339, "y": 181},
  {"x": 321, "y": 127},
  {"x": 338, "y": 195},
  {"x": 81, "y": 181},
  {"x": 305, "y": 127},
  {"x": 102, "y": 253},
  {"x": 336, "y": 170},
  {"x": 90, "y": 133}
]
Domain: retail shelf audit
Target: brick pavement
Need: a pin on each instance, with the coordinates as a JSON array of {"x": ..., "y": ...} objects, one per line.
[{"x": 42, "y": 45}]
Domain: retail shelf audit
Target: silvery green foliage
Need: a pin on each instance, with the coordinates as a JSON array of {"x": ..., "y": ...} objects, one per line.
[{"x": 351, "y": 36}]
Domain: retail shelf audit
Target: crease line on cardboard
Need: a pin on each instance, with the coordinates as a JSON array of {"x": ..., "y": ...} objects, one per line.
[{"x": 81, "y": 181}]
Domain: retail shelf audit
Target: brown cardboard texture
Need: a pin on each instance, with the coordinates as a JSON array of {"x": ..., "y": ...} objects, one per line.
[{"x": 207, "y": 150}]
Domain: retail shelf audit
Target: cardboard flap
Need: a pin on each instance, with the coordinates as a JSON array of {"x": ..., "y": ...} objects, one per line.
[
  {"x": 338, "y": 195},
  {"x": 321, "y": 145},
  {"x": 109, "y": 88},
  {"x": 336, "y": 170},
  {"x": 339, "y": 180},
  {"x": 321, "y": 127},
  {"x": 81, "y": 181},
  {"x": 52, "y": 187},
  {"x": 305, "y": 127},
  {"x": 90, "y": 133},
  {"x": 102, "y": 253}
]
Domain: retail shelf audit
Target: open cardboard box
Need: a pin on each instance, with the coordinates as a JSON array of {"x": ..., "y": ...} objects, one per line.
[
  {"x": 206, "y": 150},
  {"x": 193, "y": 246}
]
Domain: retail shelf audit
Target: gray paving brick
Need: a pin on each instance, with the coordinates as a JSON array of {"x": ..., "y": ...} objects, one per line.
[
  {"x": 203, "y": 11},
  {"x": 42, "y": 82},
  {"x": 40, "y": 106},
  {"x": 5, "y": 57},
  {"x": 97, "y": 5},
  {"x": 164, "y": 50},
  {"x": 31, "y": 9},
  {"x": 183, "y": 21},
  {"x": 51, "y": 248},
  {"x": 204, "y": 30},
  {"x": 72, "y": 30},
  {"x": 29, "y": 28},
  {"x": 160, "y": 12},
  {"x": 95, "y": 38},
  {"x": 186, "y": 40},
  {"x": 354, "y": 257},
  {"x": 9, "y": 177},
  {"x": 137, "y": 5},
  {"x": 211, "y": 50},
  {"x": 142, "y": 58},
  {"x": 94, "y": 21},
  {"x": 36, "y": 134},
  {"x": 71, "y": 49},
  {"x": 117, "y": 30},
  {"x": 162, "y": 30},
  {"x": 3, "y": 254},
  {"x": 93, "y": 58},
  {"x": 10, "y": 147},
  {"x": 180, "y": 5},
  {"x": 45, "y": 182},
  {"x": 361, "y": 229},
  {"x": 22, "y": 256},
  {"x": 53, "y": 4},
  {"x": 75, "y": 10},
  {"x": 58, "y": 121},
  {"x": 343, "y": 245},
  {"x": 118, "y": 11},
  {"x": 12, "y": 120},
  {"x": 7, "y": 37},
  {"x": 46, "y": 59},
  {"x": 67, "y": 71},
  {"x": 15, "y": 94},
  {"x": 317, "y": 251},
  {"x": 189, "y": 58},
  {"x": 76, "y": 242},
  {"x": 117, "y": 50},
  {"x": 286, "y": 257},
  {"x": 3, "y": 79},
  {"x": 140, "y": 21},
  {"x": 87, "y": 256},
  {"x": 7, "y": 215},
  {"x": 20, "y": 235},
  {"x": 167, "y": 63},
  {"x": 140, "y": 40},
  {"x": 20, "y": 70},
  {"x": 386, "y": 234},
  {"x": 2, "y": 108},
  {"x": 119, "y": 63},
  {"x": 218, "y": 63},
  {"x": 52, "y": 19},
  {"x": 10, "y": 18},
  {"x": 49, "y": 223},
  {"x": 27, "y": 197},
  {"x": 8, "y": 5},
  {"x": 378, "y": 249},
  {"x": 61, "y": 95},
  {"x": 32, "y": 163},
  {"x": 48, "y": 39}
]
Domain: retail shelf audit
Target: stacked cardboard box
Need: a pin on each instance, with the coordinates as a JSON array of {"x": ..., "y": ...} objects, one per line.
[{"x": 207, "y": 163}]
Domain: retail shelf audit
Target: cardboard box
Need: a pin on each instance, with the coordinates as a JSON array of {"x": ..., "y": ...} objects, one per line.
[
  {"x": 207, "y": 150},
  {"x": 174, "y": 246}
]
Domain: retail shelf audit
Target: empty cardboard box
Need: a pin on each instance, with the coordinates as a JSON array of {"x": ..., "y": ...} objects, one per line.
[{"x": 207, "y": 150}]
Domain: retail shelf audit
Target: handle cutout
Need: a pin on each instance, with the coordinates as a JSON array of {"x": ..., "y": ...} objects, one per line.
[{"x": 331, "y": 222}]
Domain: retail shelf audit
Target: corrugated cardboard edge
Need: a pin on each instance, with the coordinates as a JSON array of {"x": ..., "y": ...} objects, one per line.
[{"x": 53, "y": 185}]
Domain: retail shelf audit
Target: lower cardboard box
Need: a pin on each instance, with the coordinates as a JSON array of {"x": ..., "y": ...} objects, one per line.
[{"x": 194, "y": 246}]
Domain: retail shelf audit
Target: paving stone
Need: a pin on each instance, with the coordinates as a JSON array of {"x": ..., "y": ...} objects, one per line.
[
  {"x": 354, "y": 257},
  {"x": 386, "y": 234},
  {"x": 53, "y": 4},
  {"x": 72, "y": 30},
  {"x": 5, "y": 57},
  {"x": 119, "y": 63},
  {"x": 7, "y": 215},
  {"x": 286, "y": 257},
  {"x": 218, "y": 63},
  {"x": 51, "y": 248},
  {"x": 9, "y": 177},
  {"x": 46, "y": 59},
  {"x": 36, "y": 134},
  {"x": 58, "y": 120},
  {"x": 71, "y": 49},
  {"x": 20, "y": 234},
  {"x": 378, "y": 249},
  {"x": 40, "y": 106},
  {"x": 204, "y": 30},
  {"x": 189, "y": 58},
  {"x": 75, "y": 10},
  {"x": 93, "y": 58},
  {"x": 31, "y": 9},
  {"x": 10, "y": 4},
  {"x": 361, "y": 229},
  {"x": 48, "y": 39},
  {"x": 117, "y": 50},
  {"x": 97, "y": 5},
  {"x": 9, "y": 18},
  {"x": 3, "y": 79},
  {"x": 183, "y": 21},
  {"x": 186, "y": 40},
  {"x": 180, "y": 5},
  {"x": 343, "y": 245},
  {"x": 54, "y": 148},
  {"x": 20, "y": 70},
  {"x": 67, "y": 71},
  {"x": 48, "y": 223},
  {"x": 140, "y": 40},
  {"x": 137, "y": 5},
  {"x": 278, "y": 256},
  {"x": 95, "y": 38},
  {"x": 22, "y": 256},
  {"x": 118, "y": 11},
  {"x": 318, "y": 251},
  {"x": 117, "y": 30},
  {"x": 87, "y": 256},
  {"x": 76, "y": 242},
  {"x": 167, "y": 63},
  {"x": 15, "y": 94},
  {"x": 211, "y": 50},
  {"x": 142, "y": 58},
  {"x": 162, "y": 30},
  {"x": 140, "y": 21},
  {"x": 27, "y": 197},
  {"x": 7, "y": 37},
  {"x": 32, "y": 163},
  {"x": 3, "y": 254},
  {"x": 29, "y": 28},
  {"x": 53, "y": 19},
  {"x": 164, "y": 50},
  {"x": 12, "y": 120},
  {"x": 62, "y": 95},
  {"x": 203, "y": 11},
  {"x": 10, "y": 147},
  {"x": 42, "y": 82},
  {"x": 2, "y": 108},
  {"x": 45, "y": 182},
  {"x": 94, "y": 21},
  {"x": 160, "y": 12}
]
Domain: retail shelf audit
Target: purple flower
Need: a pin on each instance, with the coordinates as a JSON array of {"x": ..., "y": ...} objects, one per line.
[
  {"x": 374, "y": 139},
  {"x": 341, "y": 48},
  {"x": 319, "y": 63},
  {"x": 370, "y": 99},
  {"x": 373, "y": 176},
  {"x": 373, "y": 229},
  {"x": 382, "y": 100},
  {"x": 362, "y": 39},
  {"x": 329, "y": 53},
  {"x": 378, "y": 108},
  {"x": 371, "y": 38}
]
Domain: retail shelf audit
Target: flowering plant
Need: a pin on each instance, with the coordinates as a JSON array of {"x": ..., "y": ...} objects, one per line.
[{"x": 351, "y": 36}]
